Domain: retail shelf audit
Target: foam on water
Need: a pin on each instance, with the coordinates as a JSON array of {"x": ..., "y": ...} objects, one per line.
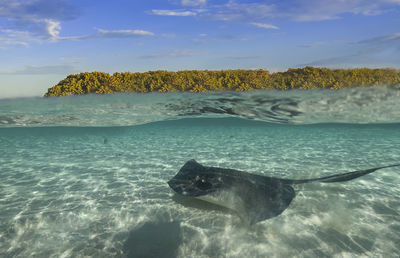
[{"x": 85, "y": 191}]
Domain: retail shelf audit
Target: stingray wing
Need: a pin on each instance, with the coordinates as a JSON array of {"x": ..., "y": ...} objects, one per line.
[{"x": 263, "y": 201}]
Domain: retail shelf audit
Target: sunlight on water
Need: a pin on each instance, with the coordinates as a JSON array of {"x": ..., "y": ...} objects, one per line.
[{"x": 94, "y": 191}]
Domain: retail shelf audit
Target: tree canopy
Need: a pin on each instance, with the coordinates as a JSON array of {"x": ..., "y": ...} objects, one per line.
[{"x": 224, "y": 80}]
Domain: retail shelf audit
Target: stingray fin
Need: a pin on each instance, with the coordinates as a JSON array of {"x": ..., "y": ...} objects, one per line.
[
  {"x": 265, "y": 202},
  {"x": 191, "y": 165}
]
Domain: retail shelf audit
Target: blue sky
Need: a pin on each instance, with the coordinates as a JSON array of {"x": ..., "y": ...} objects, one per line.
[{"x": 42, "y": 41}]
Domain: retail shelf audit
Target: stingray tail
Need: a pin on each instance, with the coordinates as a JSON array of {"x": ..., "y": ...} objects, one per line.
[{"x": 341, "y": 177}]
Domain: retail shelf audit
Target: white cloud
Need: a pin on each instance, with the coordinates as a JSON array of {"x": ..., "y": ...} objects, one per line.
[
  {"x": 40, "y": 21},
  {"x": 265, "y": 26},
  {"x": 172, "y": 13},
  {"x": 4, "y": 42},
  {"x": 295, "y": 10},
  {"x": 49, "y": 69},
  {"x": 13, "y": 34},
  {"x": 23, "y": 38},
  {"x": 375, "y": 52},
  {"x": 123, "y": 33},
  {"x": 21, "y": 11},
  {"x": 53, "y": 28},
  {"x": 101, "y": 33},
  {"x": 28, "y": 21},
  {"x": 319, "y": 10},
  {"x": 10, "y": 37},
  {"x": 193, "y": 2},
  {"x": 49, "y": 30},
  {"x": 240, "y": 12},
  {"x": 383, "y": 40}
]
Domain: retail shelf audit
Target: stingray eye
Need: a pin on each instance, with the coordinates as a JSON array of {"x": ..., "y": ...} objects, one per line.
[{"x": 203, "y": 184}]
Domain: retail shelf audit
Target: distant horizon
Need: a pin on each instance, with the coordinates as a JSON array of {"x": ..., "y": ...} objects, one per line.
[{"x": 43, "y": 41}]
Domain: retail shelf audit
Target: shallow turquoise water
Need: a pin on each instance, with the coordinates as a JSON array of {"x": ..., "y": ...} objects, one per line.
[{"x": 79, "y": 176}]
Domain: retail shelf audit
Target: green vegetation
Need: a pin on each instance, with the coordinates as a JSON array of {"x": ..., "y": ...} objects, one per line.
[{"x": 230, "y": 80}]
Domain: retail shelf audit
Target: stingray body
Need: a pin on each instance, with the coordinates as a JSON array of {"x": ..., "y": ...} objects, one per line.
[{"x": 254, "y": 197}]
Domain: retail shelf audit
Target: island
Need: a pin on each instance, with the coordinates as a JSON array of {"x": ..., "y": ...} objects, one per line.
[{"x": 225, "y": 80}]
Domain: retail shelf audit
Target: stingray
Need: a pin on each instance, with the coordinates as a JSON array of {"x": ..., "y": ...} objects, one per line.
[{"x": 254, "y": 197}]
